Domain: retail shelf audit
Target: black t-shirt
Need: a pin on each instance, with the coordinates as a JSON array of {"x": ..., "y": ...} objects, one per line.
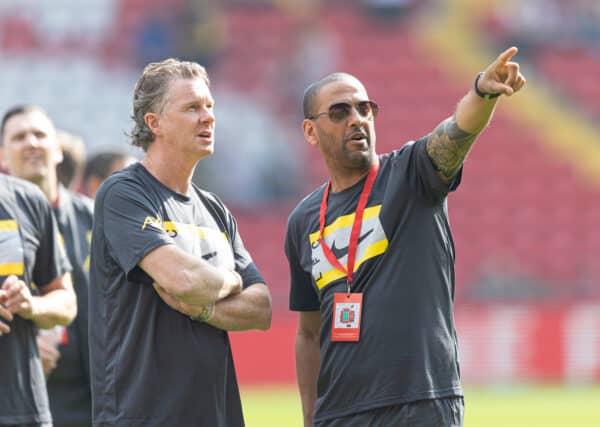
[
  {"x": 151, "y": 365},
  {"x": 30, "y": 249},
  {"x": 405, "y": 268},
  {"x": 69, "y": 383}
]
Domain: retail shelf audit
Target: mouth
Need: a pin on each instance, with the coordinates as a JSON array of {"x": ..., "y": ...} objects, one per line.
[
  {"x": 359, "y": 138},
  {"x": 34, "y": 158},
  {"x": 205, "y": 134}
]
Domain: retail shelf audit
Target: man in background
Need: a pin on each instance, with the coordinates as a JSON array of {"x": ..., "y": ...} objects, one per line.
[
  {"x": 30, "y": 252},
  {"x": 70, "y": 170},
  {"x": 100, "y": 166},
  {"x": 31, "y": 151}
]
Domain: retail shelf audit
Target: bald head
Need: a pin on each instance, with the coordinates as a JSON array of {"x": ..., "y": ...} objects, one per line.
[{"x": 312, "y": 92}]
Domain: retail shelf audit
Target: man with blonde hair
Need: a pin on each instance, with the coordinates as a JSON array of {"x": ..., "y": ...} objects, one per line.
[{"x": 170, "y": 274}]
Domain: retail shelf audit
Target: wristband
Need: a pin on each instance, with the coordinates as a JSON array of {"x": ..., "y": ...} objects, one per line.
[
  {"x": 481, "y": 94},
  {"x": 208, "y": 311}
]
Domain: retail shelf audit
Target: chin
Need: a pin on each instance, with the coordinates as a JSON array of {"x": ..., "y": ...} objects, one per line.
[
  {"x": 34, "y": 175},
  {"x": 205, "y": 152},
  {"x": 361, "y": 159}
]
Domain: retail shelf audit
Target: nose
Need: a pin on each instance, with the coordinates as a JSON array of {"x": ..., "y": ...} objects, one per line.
[
  {"x": 31, "y": 139},
  {"x": 207, "y": 115},
  {"x": 355, "y": 119}
]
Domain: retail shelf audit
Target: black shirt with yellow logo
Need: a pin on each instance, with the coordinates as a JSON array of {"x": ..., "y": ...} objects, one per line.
[
  {"x": 404, "y": 266},
  {"x": 151, "y": 365},
  {"x": 30, "y": 249}
]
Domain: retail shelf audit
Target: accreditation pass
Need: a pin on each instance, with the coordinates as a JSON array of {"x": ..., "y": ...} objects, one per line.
[{"x": 347, "y": 308}]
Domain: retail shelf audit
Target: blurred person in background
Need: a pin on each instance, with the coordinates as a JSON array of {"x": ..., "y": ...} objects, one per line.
[
  {"x": 389, "y": 11},
  {"x": 100, "y": 166},
  {"x": 372, "y": 260},
  {"x": 202, "y": 32},
  {"x": 314, "y": 52},
  {"x": 169, "y": 272},
  {"x": 30, "y": 252},
  {"x": 70, "y": 169},
  {"x": 32, "y": 151}
]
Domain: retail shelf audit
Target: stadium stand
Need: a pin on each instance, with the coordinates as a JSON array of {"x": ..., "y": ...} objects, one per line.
[{"x": 525, "y": 219}]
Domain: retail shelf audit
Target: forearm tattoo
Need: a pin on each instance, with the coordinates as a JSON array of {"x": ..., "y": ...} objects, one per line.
[{"x": 448, "y": 146}]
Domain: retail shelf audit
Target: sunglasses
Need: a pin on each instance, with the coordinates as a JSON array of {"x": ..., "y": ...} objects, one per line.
[{"x": 340, "y": 111}]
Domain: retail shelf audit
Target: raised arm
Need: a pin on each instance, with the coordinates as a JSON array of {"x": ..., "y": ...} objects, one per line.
[
  {"x": 308, "y": 361},
  {"x": 452, "y": 139}
]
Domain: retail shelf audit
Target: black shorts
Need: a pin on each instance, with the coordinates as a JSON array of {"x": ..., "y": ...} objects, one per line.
[{"x": 445, "y": 412}]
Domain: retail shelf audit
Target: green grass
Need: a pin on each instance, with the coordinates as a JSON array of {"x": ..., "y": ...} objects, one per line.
[{"x": 535, "y": 406}]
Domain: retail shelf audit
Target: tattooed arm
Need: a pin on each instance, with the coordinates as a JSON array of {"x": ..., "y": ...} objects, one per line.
[
  {"x": 450, "y": 142},
  {"x": 448, "y": 146}
]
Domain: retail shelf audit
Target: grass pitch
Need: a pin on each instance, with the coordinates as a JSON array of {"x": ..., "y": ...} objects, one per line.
[{"x": 531, "y": 406}]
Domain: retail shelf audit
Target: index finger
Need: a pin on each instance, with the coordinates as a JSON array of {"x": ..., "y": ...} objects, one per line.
[
  {"x": 5, "y": 314},
  {"x": 505, "y": 56},
  {"x": 14, "y": 288},
  {"x": 9, "y": 281}
]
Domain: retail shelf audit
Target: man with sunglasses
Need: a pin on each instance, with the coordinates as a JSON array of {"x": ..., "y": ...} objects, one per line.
[{"x": 372, "y": 260}]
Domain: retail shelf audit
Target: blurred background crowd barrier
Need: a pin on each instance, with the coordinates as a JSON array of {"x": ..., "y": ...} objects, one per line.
[{"x": 525, "y": 219}]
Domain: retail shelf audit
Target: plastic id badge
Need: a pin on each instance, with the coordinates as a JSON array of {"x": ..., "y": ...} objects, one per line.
[{"x": 347, "y": 310}]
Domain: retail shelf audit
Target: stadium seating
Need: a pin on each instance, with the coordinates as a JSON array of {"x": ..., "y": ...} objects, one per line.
[
  {"x": 520, "y": 208},
  {"x": 521, "y": 211},
  {"x": 576, "y": 73}
]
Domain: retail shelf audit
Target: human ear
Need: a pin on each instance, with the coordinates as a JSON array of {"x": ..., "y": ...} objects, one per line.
[
  {"x": 310, "y": 132},
  {"x": 152, "y": 120}
]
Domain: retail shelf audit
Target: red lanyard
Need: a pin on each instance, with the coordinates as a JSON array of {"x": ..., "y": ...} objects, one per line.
[{"x": 358, "y": 216}]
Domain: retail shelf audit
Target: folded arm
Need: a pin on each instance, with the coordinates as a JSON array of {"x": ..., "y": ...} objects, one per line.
[
  {"x": 249, "y": 309},
  {"x": 189, "y": 279}
]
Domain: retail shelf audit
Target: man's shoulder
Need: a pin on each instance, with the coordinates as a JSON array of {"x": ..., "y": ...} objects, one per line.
[
  {"x": 129, "y": 180},
  {"x": 307, "y": 207},
  {"x": 28, "y": 197},
  {"x": 81, "y": 203},
  {"x": 406, "y": 149},
  {"x": 21, "y": 187}
]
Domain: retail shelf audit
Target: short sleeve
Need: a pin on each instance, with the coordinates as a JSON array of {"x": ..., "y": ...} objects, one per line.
[
  {"x": 132, "y": 225},
  {"x": 413, "y": 160},
  {"x": 303, "y": 296},
  {"x": 244, "y": 265}
]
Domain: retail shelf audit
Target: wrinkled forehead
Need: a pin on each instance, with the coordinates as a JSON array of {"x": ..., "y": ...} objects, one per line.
[
  {"x": 347, "y": 89},
  {"x": 33, "y": 120},
  {"x": 188, "y": 90}
]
